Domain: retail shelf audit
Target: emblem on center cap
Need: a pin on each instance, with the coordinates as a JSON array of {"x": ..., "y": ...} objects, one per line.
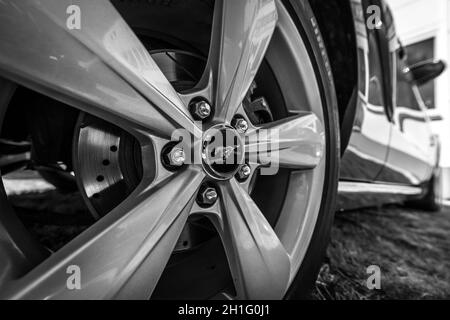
[{"x": 222, "y": 152}]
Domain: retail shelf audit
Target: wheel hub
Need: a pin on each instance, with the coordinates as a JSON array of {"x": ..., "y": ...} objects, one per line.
[{"x": 222, "y": 152}]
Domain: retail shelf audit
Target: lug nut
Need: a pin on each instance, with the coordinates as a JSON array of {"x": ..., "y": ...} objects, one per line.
[
  {"x": 208, "y": 196},
  {"x": 177, "y": 157},
  {"x": 241, "y": 125},
  {"x": 244, "y": 172},
  {"x": 201, "y": 110}
]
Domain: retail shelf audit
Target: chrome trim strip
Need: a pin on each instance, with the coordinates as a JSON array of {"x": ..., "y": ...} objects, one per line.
[{"x": 362, "y": 187}]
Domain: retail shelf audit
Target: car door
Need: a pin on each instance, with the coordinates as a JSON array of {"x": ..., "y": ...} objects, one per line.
[
  {"x": 367, "y": 151},
  {"x": 411, "y": 149}
]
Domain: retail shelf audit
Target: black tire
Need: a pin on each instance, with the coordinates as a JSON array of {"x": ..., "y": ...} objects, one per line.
[
  {"x": 432, "y": 200},
  {"x": 304, "y": 280},
  {"x": 307, "y": 274}
]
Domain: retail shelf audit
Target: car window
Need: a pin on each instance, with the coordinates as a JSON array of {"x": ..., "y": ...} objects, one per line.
[
  {"x": 375, "y": 72},
  {"x": 405, "y": 94},
  {"x": 419, "y": 52}
]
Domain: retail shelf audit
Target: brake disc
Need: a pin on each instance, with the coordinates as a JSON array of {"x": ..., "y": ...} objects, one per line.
[{"x": 107, "y": 164}]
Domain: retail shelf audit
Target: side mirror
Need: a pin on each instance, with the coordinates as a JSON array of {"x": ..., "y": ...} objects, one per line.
[{"x": 426, "y": 71}]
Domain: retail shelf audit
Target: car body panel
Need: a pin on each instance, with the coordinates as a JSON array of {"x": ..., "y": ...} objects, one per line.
[
  {"x": 412, "y": 148},
  {"x": 391, "y": 142},
  {"x": 366, "y": 153}
]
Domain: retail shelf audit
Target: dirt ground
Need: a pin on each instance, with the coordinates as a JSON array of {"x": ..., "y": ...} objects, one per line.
[{"x": 412, "y": 249}]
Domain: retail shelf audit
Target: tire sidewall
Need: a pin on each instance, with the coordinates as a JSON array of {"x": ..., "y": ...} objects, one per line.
[{"x": 306, "y": 23}]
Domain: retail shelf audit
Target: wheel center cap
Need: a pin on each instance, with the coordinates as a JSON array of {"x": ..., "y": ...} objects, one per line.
[{"x": 222, "y": 152}]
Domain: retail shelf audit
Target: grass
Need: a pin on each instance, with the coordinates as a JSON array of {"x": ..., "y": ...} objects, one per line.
[{"x": 412, "y": 249}]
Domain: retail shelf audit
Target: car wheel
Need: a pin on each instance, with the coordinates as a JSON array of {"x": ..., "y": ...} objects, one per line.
[
  {"x": 169, "y": 226},
  {"x": 432, "y": 200}
]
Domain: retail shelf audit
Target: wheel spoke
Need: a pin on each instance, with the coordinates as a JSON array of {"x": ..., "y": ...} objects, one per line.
[
  {"x": 297, "y": 143},
  {"x": 241, "y": 34},
  {"x": 18, "y": 250},
  {"x": 124, "y": 254},
  {"x": 102, "y": 68},
  {"x": 259, "y": 263}
]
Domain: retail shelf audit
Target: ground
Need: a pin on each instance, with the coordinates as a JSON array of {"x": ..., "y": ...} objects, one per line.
[{"x": 411, "y": 247}]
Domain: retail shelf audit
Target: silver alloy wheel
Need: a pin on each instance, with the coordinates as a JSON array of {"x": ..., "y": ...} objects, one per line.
[{"x": 104, "y": 70}]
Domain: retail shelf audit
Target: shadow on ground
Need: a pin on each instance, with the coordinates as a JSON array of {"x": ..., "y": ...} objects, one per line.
[{"x": 412, "y": 249}]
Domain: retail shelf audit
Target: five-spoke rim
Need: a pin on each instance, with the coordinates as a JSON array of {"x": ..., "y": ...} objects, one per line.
[{"x": 103, "y": 69}]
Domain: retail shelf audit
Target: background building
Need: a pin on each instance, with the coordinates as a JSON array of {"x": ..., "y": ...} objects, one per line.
[{"x": 424, "y": 28}]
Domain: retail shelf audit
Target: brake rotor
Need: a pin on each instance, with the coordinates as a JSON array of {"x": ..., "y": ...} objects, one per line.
[{"x": 107, "y": 164}]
